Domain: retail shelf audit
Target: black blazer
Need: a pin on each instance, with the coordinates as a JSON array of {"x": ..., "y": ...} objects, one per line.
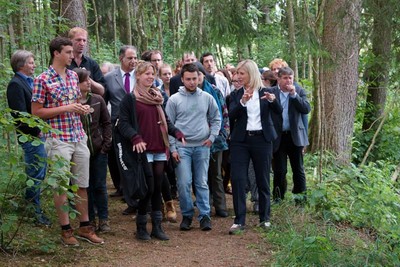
[
  {"x": 297, "y": 107},
  {"x": 238, "y": 115},
  {"x": 19, "y": 96}
]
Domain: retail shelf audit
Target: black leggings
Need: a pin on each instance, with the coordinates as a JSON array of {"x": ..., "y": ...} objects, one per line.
[{"x": 154, "y": 183}]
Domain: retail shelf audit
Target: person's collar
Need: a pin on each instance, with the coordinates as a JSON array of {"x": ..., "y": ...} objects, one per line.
[
  {"x": 284, "y": 93},
  {"x": 23, "y": 75},
  {"x": 130, "y": 73}
]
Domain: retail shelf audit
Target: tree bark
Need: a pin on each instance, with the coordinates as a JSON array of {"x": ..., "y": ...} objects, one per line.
[
  {"x": 377, "y": 72},
  {"x": 292, "y": 38},
  {"x": 126, "y": 30},
  {"x": 114, "y": 27},
  {"x": 339, "y": 75},
  {"x": 75, "y": 12},
  {"x": 96, "y": 25}
]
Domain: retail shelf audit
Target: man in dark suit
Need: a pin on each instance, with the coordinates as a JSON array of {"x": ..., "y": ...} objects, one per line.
[
  {"x": 292, "y": 135},
  {"x": 176, "y": 81},
  {"x": 19, "y": 95},
  {"x": 119, "y": 82}
]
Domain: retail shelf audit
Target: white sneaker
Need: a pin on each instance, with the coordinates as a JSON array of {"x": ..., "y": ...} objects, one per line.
[
  {"x": 264, "y": 225},
  {"x": 236, "y": 229}
]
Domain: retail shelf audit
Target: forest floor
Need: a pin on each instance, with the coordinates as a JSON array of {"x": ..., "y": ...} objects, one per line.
[{"x": 185, "y": 248}]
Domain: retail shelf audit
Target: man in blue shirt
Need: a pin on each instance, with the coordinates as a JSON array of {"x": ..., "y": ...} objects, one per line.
[
  {"x": 292, "y": 135},
  {"x": 19, "y": 94}
]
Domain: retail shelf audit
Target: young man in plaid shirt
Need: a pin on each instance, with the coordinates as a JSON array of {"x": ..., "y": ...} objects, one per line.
[{"x": 55, "y": 99}]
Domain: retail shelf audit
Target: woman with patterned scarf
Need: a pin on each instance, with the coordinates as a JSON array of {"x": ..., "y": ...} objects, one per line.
[{"x": 142, "y": 120}]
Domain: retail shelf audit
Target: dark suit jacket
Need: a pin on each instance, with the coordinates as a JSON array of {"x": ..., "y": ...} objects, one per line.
[
  {"x": 19, "y": 96},
  {"x": 176, "y": 82},
  {"x": 298, "y": 106},
  {"x": 115, "y": 91},
  {"x": 238, "y": 114}
]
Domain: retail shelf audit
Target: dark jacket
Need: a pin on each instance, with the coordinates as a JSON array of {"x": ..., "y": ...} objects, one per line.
[
  {"x": 238, "y": 116},
  {"x": 128, "y": 125},
  {"x": 19, "y": 96},
  {"x": 97, "y": 125},
  {"x": 298, "y": 106}
]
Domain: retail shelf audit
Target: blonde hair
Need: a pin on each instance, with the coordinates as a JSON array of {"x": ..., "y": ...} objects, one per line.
[
  {"x": 75, "y": 30},
  {"x": 142, "y": 67},
  {"x": 164, "y": 66},
  {"x": 251, "y": 68},
  {"x": 278, "y": 61}
]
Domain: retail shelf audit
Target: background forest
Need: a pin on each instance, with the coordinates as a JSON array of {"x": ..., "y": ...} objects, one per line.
[{"x": 345, "y": 53}]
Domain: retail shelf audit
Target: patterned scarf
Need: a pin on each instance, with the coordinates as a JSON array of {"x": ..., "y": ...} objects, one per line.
[{"x": 153, "y": 96}]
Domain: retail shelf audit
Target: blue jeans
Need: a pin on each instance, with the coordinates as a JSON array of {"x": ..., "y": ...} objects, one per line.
[
  {"x": 97, "y": 190},
  {"x": 36, "y": 166},
  {"x": 199, "y": 157}
]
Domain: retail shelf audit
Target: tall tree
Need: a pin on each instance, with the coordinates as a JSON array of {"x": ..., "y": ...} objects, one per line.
[
  {"x": 292, "y": 37},
  {"x": 339, "y": 75},
  {"x": 126, "y": 31},
  {"x": 378, "y": 68},
  {"x": 75, "y": 12}
]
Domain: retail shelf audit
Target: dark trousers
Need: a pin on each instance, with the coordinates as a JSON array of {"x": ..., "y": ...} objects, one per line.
[
  {"x": 215, "y": 182},
  {"x": 113, "y": 166},
  {"x": 260, "y": 152},
  {"x": 97, "y": 190},
  {"x": 295, "y": 154}
]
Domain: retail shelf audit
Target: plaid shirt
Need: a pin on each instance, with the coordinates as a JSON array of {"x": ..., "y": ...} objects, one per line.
[{"x": 50, "y": 90}]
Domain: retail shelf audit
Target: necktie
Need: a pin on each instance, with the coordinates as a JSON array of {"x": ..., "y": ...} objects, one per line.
[{"x": 127, "y": 85}]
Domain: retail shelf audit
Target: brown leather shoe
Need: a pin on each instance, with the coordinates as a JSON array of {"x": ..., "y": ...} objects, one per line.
[
  {"x": 68, "y": 239},
  {"x": 171, "y": 212},
  {"x": 86, "y": 233}
]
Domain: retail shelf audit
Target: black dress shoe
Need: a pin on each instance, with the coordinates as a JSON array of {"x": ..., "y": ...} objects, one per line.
[
  {"x": 129, "y": 211},
  {"x": 221, "y": 213},
  {"x": 117, "y": 193}
]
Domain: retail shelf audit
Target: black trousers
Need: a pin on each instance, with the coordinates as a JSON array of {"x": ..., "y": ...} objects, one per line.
[
  {"x": 113, "y": 166},
  {"x": 260, "y": 152},
  {"x": 279, "y": 165}
]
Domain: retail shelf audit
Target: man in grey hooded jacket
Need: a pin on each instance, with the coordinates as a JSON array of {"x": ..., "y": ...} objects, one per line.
[{"x": 196, "y": 114}]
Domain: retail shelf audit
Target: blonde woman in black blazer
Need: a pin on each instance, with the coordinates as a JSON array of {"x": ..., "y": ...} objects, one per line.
[{"x": 251, "y": 138}]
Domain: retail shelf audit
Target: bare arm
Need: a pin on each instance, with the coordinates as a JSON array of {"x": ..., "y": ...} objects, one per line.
[{"x": 97, "y": 88}]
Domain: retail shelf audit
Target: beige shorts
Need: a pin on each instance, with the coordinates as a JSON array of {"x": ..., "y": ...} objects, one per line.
[{"x": 76, "y": 153}]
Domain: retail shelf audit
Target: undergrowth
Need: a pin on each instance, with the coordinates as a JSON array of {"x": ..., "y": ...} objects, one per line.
[{"x": 351, "y": 219}]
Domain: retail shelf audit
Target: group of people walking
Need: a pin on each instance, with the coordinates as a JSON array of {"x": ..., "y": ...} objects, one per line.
[{"x": 185, "y": 121}]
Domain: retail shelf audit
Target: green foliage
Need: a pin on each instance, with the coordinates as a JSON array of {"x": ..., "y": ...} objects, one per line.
[
  {"x": 15, "y": 211},
  {"x": 365, "y": 198}
]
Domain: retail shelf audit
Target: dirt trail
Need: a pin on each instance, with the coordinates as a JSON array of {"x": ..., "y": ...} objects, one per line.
[{"x": 191, "y": 248}]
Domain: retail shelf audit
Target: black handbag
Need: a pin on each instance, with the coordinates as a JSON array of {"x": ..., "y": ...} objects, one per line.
[{"x": 133, "y": 168}]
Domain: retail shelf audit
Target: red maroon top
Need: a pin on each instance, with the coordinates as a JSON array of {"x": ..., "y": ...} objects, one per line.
[{"x": 149, "y": 128}]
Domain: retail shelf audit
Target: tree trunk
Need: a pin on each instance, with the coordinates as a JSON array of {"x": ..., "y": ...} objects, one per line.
[
  {"x": 75, "y": 12},
  {"x": 339, "y": 75},
  {"x": 126, "y": 31},
  {"x": 158, "y": 7},
  {"x": 292, "y": 38},
  {"x": 96, "y": 25},
  {"x": 114, "y": 22},
  {"x": 377, "y": 72}
]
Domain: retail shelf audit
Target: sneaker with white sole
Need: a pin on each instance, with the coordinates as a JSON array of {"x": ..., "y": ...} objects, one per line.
[
  {"x": 264, "y": 225},
  {"x": 236, "y": 229}
]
